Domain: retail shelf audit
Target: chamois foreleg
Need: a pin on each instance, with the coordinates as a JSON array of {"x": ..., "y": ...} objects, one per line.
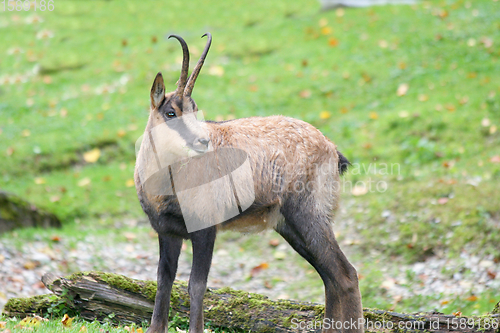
[
  {"x": 203, "y": 246},
  {"x": 170, "y": 248}
]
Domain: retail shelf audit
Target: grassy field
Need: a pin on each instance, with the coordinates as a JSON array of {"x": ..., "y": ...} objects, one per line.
[{"x": 410, "y": 94}]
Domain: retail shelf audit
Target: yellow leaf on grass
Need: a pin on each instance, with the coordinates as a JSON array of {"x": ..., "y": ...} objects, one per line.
[
  {"x": 423, "y": 98},
  {"x": 216, "y": 70},
  {"x": 30, "y": 321},
  {"x": 92, "y": 155},
  {"x": 66, "y": 321},
  {"x": 84, "y": 182},
  {"x": 130, "y": 183},
  {"x": 333, "y": 42},
  {"x": 403, "y": 89},
  {"x": 324, "y": 115},
  {"x": 40, "y": 180},
  {"x": 373, "y": 115},
  {"x": 305, "y": 93},
  {"x": 359, "y": 190},
  {"x": 326, "y": 30}
]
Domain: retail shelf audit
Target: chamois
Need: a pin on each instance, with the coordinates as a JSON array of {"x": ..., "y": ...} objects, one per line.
[{"x": 294, "y": 174}]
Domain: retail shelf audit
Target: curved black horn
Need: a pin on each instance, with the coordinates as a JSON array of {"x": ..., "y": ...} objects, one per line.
[
  {"x": 181, "y": 85},
  {"x": 197, "y": 68}
]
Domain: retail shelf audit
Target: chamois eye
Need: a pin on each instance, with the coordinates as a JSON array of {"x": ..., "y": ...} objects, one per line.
[{"x": 171, "y": 114}]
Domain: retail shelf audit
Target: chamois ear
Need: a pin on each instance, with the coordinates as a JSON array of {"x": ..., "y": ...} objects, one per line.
[{"x": 157, "y": 91}]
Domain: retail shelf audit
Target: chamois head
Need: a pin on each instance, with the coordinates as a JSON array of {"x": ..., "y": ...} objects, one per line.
[{"x": 177, "y": 110}]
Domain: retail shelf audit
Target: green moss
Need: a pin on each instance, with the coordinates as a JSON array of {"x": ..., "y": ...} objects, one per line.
[
  {"x": 371, "y": 315},
  {"x": 37, "y": 304},
  {"x": 145, "y": 288},
  {"x": 245, "y": 308}
]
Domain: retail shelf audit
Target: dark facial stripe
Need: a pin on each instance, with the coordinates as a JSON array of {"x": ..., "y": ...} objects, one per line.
[{"x": 178, "y": 125}]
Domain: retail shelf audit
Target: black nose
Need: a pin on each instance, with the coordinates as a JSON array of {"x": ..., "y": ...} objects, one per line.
[{"x": 204, "y": 142}]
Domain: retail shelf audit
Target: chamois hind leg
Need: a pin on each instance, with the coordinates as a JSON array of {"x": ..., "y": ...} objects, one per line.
[
  {"x": 170, "y": 248},
  {"x": 312, "y": 237},
  {"x": 203, "y": 246}
]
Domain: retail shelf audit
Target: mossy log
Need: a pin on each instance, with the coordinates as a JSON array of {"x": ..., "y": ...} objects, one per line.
[
  {"x": 101, "y": 296},
  {"x": 18, "y": 213}
]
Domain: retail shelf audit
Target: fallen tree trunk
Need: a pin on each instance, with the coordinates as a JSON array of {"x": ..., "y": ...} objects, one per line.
[{"x": 101, "y": 296}]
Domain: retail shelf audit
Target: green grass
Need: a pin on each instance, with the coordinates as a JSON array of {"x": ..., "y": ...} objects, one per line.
[
  {"x": 88, "y": 87},
  {"x": 78, "y": 325}
]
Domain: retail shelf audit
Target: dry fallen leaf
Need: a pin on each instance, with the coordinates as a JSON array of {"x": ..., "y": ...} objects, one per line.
[
  {"x": 30, "y": 322},
  {"x": 388, "y": 284},
  {"x": 305, "y": 93},
  {"x": 333, "y": 42},
  {"x": 40, "y": 180},
  {"x": 495, "y": 159},
  {"x": 450, "y": 107},
  {"x": 2, "y": 324},
  {"x": 84, "y": 182},
  {"x": 359, "y": 190},
  {"x": 254, "y": 271},
  {"x": 121, "y": 133},
  {"x": 383, "y": 43},
  {"x": 216, "y": 70},
  {"x": 326, "y": 30},
  {"x": 92, "y": 155},
  {"x": 423, "y": 98},
  {"x": 66, "y": 321},
  {"x": 279, "y": 255},
  {"x": 130, "y": 236},
  {"x": 129, "y": 183},
  {"x": 472, "y": 298},
  {"x": 29, "y": 265},
  {"x": 403, "y": 89},
  {"x": 324, "y": 115},
  {"x": 274, "y": 242},
  {"x": 442, "y": 201}
]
